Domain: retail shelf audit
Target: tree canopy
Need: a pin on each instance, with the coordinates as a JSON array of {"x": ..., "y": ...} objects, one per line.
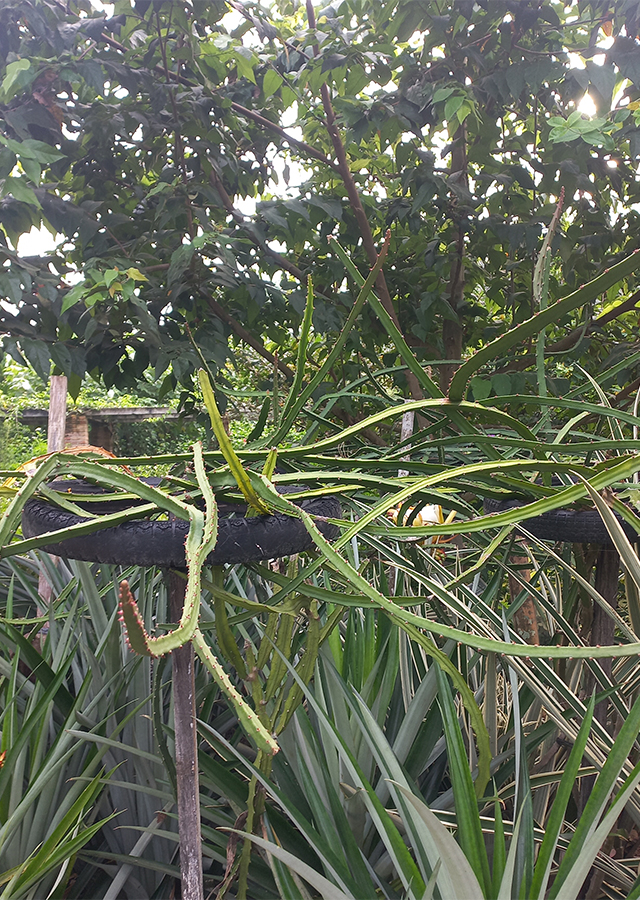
[{"x": 196, "y": 165}]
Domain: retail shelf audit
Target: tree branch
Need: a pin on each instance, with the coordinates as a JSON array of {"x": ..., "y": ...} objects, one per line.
[
  {"x": 626, "y": 393},
  {"x": 277, "y": 129},
  {"x": 372, "y": 436},
  {"x": 572, "y": 338},
  {"x": 452, "y": 335},
  {"x": 235, "y": 326}
]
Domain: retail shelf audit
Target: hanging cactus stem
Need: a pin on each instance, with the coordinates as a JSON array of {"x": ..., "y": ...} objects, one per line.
[{"x": 184, "y": 602}]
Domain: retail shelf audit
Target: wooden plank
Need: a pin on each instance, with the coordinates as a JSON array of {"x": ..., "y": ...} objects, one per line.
[{"x": 39, "y": 417}]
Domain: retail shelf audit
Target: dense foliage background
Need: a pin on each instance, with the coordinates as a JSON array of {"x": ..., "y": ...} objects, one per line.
[
  {"x": 455, "y": 699},
  {"x": 194, "y": 165}
]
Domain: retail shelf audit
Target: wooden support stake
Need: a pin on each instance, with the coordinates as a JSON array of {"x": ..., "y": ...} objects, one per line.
[
  {"x": 602, "y": 631},
  {"x": 57, "y": 413},
  {"x": 186, "y": 751},
  {"x": 405, "y": 433},
  {"x": 525, "y": 619},
  {"x": 55, "y": 441},
  {"x": 603, "y": 627}
]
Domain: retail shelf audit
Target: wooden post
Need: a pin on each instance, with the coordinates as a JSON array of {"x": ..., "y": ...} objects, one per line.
[
  {"x": 607, "y": 581},
  {"x": 55, "y": 441},
  {"x": 602, "y": 628},
  {"x": 77, "y": 431},
  {"x": 57, "y": 413},
  {"x": 525, "y": 619},
  {"x": 186, "y": 751},
  {"x": 405, "y": 433}
]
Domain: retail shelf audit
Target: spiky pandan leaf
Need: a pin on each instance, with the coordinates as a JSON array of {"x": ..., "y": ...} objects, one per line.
[
  {"x": 533, "y": 326},
  {"x": 137, "y": 637},
  {"x": 226, "y": 447}
]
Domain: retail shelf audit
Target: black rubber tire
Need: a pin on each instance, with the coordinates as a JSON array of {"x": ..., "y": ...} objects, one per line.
[
  {"x": 578, "y": 526},
  {"x": 161, "y": 543}
]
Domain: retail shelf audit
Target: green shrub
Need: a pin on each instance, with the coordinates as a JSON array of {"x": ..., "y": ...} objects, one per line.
[{"x": 18, "y": 443}]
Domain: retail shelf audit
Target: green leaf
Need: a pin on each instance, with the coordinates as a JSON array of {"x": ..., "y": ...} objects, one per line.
[
  {"x": 303, "y": 345},
  {"x": 556, "y": 818},
  {"x": 270, "y": 464},
  {"x": 408, "y": 622},
  {"x": 32, "y": 723},
  {"x": 42, "y": 671},
  {"x": 73, "y": 295},
  {"x": 499, "y": 851},
  {"x": 36, "y": 150},
  {"x": 135, "y": 274},
  {"x": 63, "y": 841},
  {"x": 581, "y": 851},
  {"x": 462, "y": 878},
  {"x": 245, "y": 65},
  {"x": 288, "y": 96},
  {"x": 408, "y": 619},
  {"x": 442, "y": 94},
  {"x": 392, "y": 330},
  {"x": 480, "y": 387},
  {"x": 575, "y": 876},
  {"x": 294, "y": 409},
  {"x": 326, "y": 888},
  {"x": 323, "y": 848},
  {"x": 271, "y": 82},
  {"x": 621, "y": 542},
  {"x": 506, "y": 885},
  {"x": 110, "y": 276},
  {"x": 452, "y": 106},
  {"x": 634, "y": 893},
  {"x": 20, "y": 190},
  {"x": 12, "y": 78},
  {"x": 31, "y": 168}
]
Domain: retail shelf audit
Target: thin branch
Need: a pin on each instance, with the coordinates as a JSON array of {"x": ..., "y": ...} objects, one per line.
[
  {"x": 372, "y": 436},
  {"x": 626, "y": 393},
  {"x": 452, "y": 333},
  {"x": 179, "y": 146},
  {"x": 241, "y": 220},
  {"x": 357, "y": 207},
  {"x": 235, "y": 326},
  {"x": 241, "y": 110},
  {"x": 301, "y": 145}
]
